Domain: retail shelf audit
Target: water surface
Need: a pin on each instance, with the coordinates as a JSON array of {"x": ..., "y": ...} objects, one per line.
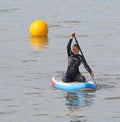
[{"x": 26, "y": 66}]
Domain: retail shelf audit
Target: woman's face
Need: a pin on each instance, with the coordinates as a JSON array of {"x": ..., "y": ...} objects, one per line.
[{"x": 75, "y": 50}]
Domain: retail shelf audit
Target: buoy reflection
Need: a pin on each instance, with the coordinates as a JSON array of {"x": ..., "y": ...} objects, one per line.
[{"x": 39, "y": 43}]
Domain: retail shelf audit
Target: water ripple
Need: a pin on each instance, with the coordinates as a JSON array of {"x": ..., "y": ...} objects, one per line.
[
  {"x": 8, "y": 10},
  {"x": 112, "y": 98}
]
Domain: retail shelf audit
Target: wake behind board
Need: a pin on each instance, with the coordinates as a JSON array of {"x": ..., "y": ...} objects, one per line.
[{"x": 73, "y": 86}]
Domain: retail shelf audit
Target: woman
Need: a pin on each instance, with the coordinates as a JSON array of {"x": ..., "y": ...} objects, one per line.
[{"x": 74, "y": 61}]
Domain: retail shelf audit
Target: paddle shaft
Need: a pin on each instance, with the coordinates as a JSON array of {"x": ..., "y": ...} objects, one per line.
[
  {"x": 83, "y": 56},
  {"x": 80, "y": 48}
]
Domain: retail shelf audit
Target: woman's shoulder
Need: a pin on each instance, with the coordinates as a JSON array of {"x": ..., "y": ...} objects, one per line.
[{"x": 80, "y": 55}]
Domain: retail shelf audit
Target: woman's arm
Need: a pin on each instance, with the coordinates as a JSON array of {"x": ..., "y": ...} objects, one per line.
[
  {"x": 69, "y": 47},
  {"x": 87, "y": 66},
  {"x": 69, "y": 51}
]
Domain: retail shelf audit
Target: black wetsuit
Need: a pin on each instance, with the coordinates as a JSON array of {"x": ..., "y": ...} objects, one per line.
[{"x": 74, "y": 61}]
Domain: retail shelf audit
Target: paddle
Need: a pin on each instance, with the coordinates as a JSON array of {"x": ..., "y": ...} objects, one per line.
[
  {"x": 82, "y": 55},
  {"x": 79, "y": 48}
]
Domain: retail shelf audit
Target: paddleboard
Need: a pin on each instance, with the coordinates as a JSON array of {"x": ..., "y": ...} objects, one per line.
[{"x": 73, "y": 86}]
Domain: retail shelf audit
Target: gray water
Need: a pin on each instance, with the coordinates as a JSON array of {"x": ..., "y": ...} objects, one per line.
[{"x": 26, "y": 67}]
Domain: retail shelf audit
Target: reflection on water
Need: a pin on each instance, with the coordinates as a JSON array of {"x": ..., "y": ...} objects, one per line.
[
  {"x": 76, "y": 101},
  {"x": 81, "y": 99},
  {"x": 38, "y": 43}
]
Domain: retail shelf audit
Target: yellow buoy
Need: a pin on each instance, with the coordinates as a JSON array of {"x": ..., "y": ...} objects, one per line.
[
  {"x": 39, "y": 43},
  {"x": 38, "y": 28}
]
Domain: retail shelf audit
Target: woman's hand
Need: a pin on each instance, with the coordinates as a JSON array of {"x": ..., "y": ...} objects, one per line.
[
  {"x": 92, "y": 74},
  {"x": 72, "y": 35}
]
